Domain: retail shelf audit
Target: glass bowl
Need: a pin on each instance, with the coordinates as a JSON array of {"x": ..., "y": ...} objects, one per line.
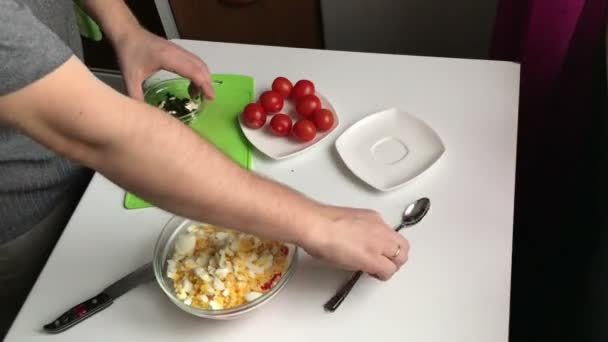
[
  {"x": 164, "y": 248},
  {"x": 157, "y": 92}
]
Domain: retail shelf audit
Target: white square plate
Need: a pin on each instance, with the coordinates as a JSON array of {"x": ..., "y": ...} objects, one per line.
[
  {"x": 389, "y": 148},
  {"x": 284, "y": 147}
]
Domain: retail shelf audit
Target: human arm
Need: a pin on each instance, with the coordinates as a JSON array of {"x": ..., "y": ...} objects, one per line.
[
  {"x": 75, "y": 114},
  {"x": 141, "y": 53}
]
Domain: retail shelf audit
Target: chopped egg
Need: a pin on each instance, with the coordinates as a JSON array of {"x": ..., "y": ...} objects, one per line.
[
  {"x": 265, "y": 261},
  {"x": 171, "y": 266},
  {"x": 221, "y": 236},
  {"x": 218, "y": 284},
  {"x": 216, "y": 268},
  {"x": 203, "y": 275},
  {"x": 210, "y": 291},
  {"x": 211, "y": 269},
  {"x": 251, "y": 296},
  {"x": 190, "y": 264},
  {"x": 215, "y": 305},
  {"x": 185, "y": 244},
  {"x": 191, "y": 106},
  {"x": 203, "y": 260},
  {"x": 235, "y": 245},
  {"x": 254, "y": 269},
  {"x": 181, "y": 295},
  {"x": 186, "y": 285},
  {"x": 221, "y": 273}
]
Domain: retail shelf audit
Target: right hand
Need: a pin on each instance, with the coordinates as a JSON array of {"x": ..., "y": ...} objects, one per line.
[
  {"x": 141, "y": 53},
  {"x": 357, "y": 239}
]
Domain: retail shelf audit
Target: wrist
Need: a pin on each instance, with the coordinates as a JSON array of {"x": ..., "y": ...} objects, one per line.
[
  {"x": 115, "y": 18},
  {"x": 311, "y": 227},
  {"x": 119, "y": 35}
]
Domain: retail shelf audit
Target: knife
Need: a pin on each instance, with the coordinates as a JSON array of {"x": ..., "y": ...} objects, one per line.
[{"x": 92, "y": 306}]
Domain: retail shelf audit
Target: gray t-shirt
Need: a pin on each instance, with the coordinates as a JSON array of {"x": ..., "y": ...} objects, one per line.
[{"x": 36, "y": 37}]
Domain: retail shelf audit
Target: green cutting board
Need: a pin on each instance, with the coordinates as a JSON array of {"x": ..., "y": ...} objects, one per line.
[{"x": 217, "y": 120}]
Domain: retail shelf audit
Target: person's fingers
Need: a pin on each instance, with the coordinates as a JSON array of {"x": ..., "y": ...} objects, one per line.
[
  {"x": 375, "y": 263},
  {"x": 392, "y": 250},
  {"x": 401, "y": 257},
  {"x": 134, "y": 88},
  {"x": 203, "y": 82},
  {"x": 194, "y": 91},
  {"x": 404, "y": 249},
  {"x": 383, "y": 268},
  {"x": 207, "y": 83},
  {"x": 191, "y": 67}
]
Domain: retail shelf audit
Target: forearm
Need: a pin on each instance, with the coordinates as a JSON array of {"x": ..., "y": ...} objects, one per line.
[
  {"x": 114, "y": 17},
  {"x": 148, "y": 152},
  {"x": 164, "y": 161}
]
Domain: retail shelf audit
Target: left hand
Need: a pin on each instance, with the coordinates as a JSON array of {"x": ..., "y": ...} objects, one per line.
[{"x": 141, "y": 53}]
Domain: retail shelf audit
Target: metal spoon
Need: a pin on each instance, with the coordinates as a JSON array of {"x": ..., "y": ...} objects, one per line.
[{"x": 412, "y": 214}]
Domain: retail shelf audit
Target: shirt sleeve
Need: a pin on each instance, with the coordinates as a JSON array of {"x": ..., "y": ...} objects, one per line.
[{"x": 29, "y": 50}]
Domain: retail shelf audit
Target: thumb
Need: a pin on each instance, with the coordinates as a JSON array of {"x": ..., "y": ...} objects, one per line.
[{"x": 134, "y": 88}]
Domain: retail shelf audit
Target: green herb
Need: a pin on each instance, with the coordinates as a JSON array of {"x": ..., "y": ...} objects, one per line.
[{"x": 175, "y": 106}]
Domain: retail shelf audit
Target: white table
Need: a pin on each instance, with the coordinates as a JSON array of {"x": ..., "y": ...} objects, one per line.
[{"x": 456, "y": 285}]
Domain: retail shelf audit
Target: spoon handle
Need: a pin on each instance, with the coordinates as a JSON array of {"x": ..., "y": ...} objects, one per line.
[{"x": 339, "y": 297}]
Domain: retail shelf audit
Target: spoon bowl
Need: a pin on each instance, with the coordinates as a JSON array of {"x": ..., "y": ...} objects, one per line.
[{"x": 414, "y": 213}]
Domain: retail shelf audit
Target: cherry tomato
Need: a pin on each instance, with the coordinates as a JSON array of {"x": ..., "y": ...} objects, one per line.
[
  {"x": 254, "y": 115},
  {"x": 304, "y": 130},
  {"x": 302, "y": 88},
  {"x": 280, "y": 124},
  {"x": 282, "y": 86},
  {"x": 323, "y": 119},
  {"x": 308, "y": 105},
  {"x": 271, "y": 101}
]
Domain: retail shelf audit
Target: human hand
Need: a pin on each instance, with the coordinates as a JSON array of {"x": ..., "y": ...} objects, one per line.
[
  {"x": 357, "y": 239},
  {"x": 141, "y": 53}
]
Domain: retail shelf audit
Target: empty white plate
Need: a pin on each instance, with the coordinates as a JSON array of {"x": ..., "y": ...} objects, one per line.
[
  {"x": 389, "y": 148},
  {"x": 284, "y": 147}
]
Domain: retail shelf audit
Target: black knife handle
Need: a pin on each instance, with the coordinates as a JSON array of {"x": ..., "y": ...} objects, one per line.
[
  {"x": 79, "y": 313},
  {"x": 339, "y": 297}
]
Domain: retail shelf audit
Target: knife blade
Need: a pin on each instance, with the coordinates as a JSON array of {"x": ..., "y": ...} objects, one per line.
[{"x": 88, "y": 308}]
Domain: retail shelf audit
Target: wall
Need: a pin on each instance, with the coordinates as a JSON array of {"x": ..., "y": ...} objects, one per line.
[{"x": 448, "y": 28}]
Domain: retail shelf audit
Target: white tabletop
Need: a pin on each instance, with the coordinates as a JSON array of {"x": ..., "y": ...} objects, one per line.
[{"x": 456, "y": 285}]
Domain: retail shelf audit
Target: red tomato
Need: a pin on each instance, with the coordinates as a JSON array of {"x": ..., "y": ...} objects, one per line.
[
  {"x": 254, "y": 115},
  {"x": 271, "y": 101},
  {"x": 308, "y": 105},
  {"x": 323, "y": 119},
  {"x": 302, "y": 88},
  {"x": 282, "y": 86},
  {"x": 304, "y": 130},
  {"x": 280, "y": 124}
]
